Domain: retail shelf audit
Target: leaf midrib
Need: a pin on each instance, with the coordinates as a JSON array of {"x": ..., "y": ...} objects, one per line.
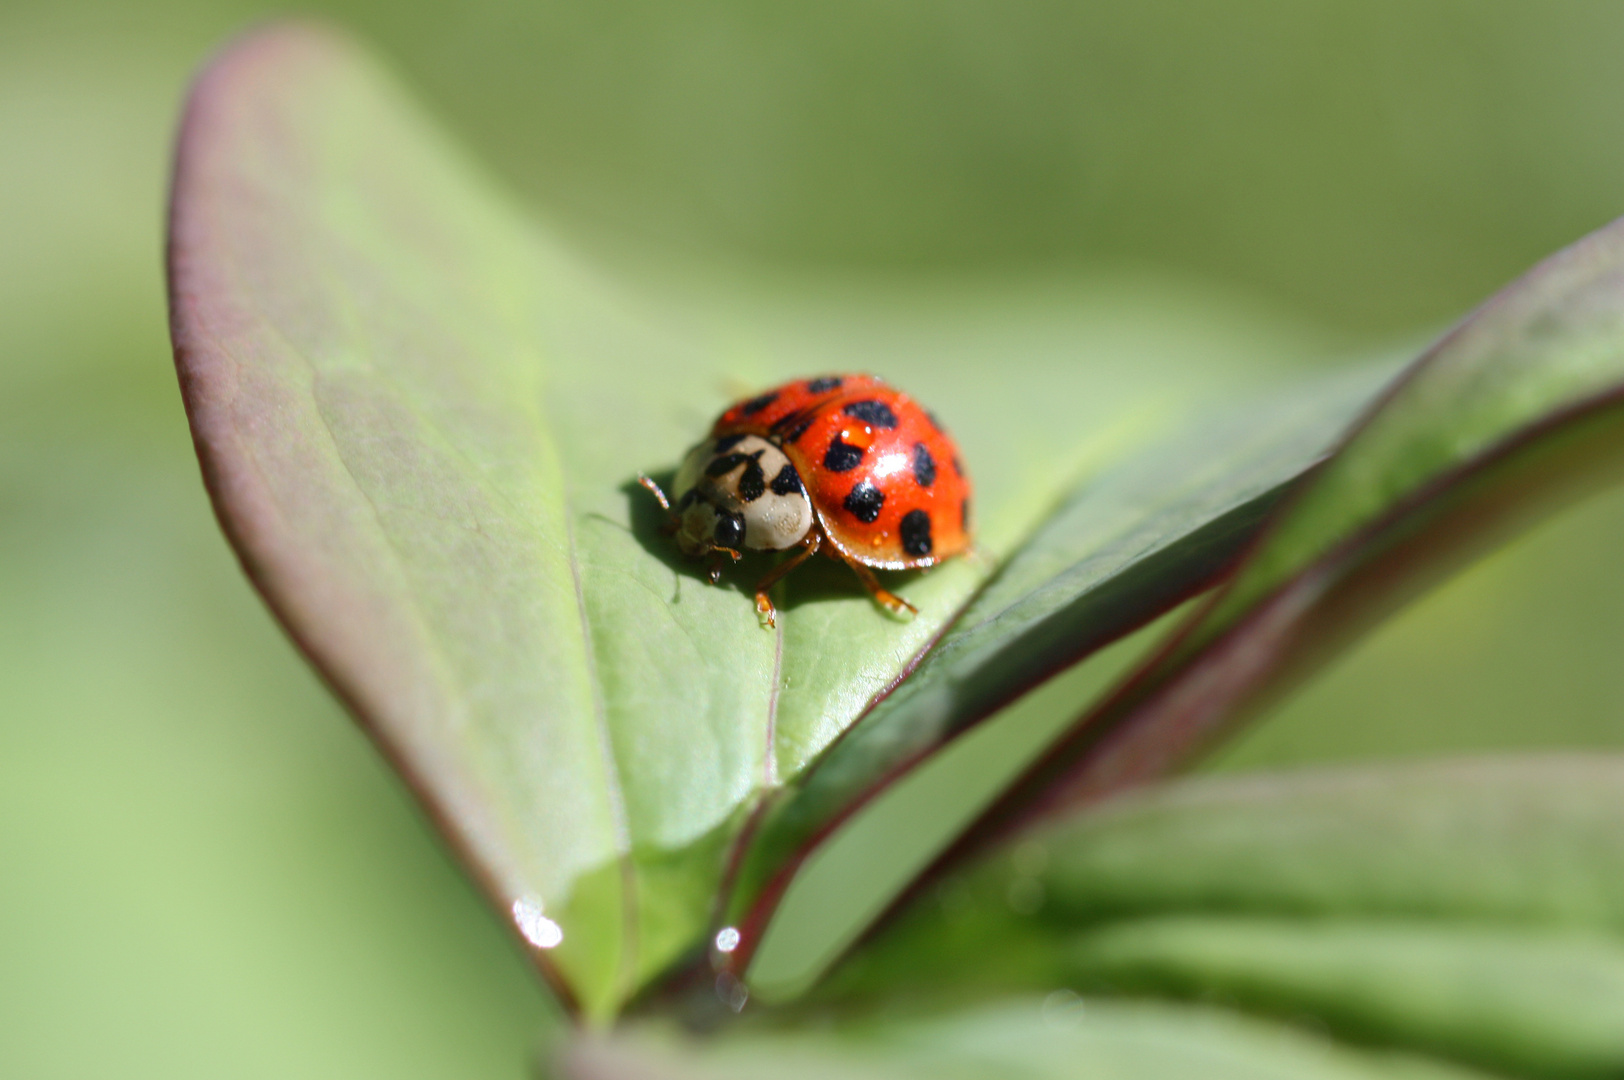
[{"x": 614, "y": 782}]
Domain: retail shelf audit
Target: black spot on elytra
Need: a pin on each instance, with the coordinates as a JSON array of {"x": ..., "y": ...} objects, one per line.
[
  {"x": 864, "y": 502},
  {"x": 842, "y": 456},
  {"x": 924, "y": 466},
  {"x": 729, "y": 532},
  {"x": 788, "y": 481},
  {"x": 915, "y": 529},
  {"x": 728, "y": 442},
  {"x": 752, "y": 482},
  {"x": 755, "y": 405},
  {"x": 823, "y": 385},
  {"x": 875, "y": 413}
]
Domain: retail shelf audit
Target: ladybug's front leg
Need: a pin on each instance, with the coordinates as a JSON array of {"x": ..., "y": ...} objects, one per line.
[
  {"x": 714, "y": 571},
  {"x": 764, "y": 604}
]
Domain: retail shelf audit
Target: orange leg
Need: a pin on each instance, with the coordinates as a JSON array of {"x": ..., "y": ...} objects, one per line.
[
  {"x": 893, "y": 603},
  {"x": 764, "y": 604},
  {"x": 715, "y": 570}
]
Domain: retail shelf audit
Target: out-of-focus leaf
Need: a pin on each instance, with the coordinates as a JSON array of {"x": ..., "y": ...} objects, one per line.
[
  {"x": 1473, "y": 909},
  {"x": 1059, "y": 1036},
  {"x": 1532, "y": 1003},
  {"x": 1121, "y": 549},
  {"x": 1515, "y": 412}
]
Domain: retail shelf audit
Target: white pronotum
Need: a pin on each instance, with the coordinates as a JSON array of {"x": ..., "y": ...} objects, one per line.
[{"x": 740, "y": 492}]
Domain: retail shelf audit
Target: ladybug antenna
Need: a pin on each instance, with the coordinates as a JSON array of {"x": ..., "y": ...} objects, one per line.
[{"x": 654, "y": 489}]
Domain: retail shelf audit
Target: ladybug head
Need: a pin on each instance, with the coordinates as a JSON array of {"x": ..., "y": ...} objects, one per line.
[{"x": 703, "y": 527}]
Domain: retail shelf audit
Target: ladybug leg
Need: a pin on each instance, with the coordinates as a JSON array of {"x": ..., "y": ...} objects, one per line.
[
  {"x": 715, "y": 570},
  {"x": 764, "y": 604},
  {"x": 893, "y": 603}
]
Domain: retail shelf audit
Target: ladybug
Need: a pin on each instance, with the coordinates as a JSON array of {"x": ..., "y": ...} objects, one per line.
[{"x": 846, "y": 465}]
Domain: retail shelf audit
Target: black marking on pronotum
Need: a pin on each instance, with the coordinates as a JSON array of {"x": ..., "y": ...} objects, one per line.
[
  {"x": 842, "y": 456},
  {"x": 875, "y": 413},
  {"x": 924, "y": 466},
  {"x": 755, "y": 405},
  {"x": 728, "y": 442},
  {"x": 752, "y": 482},
  {"x": 864, "y": 502},
  {"x": 726, "y": 463},
  {"x": 788, "y": 481},
  {"x": 687, "y": 499},
  {"x": 729, "y": 532},
  {"x": 823, "y": 385},
  {"x": 915, "y": 530}
]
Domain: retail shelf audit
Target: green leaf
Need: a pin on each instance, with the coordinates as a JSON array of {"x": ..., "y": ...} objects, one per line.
[
  {"x": 1471, "y": 909},
  {"x": 1060, "y": 1036},
  {"x": 1516, "y": 412},
  {"x": 420, "y": 420}
]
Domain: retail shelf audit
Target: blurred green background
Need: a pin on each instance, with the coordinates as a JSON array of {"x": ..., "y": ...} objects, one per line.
[{"x": 204, "y": 870}]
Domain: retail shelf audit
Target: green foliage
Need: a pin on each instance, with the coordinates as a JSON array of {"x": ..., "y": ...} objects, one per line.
[
  {"x": 205, "y": 864},
  {"x": 1469, "y": 909},
  {"x": 419, "y": 418}
]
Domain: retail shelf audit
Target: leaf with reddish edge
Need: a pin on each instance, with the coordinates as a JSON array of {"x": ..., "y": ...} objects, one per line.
[
  {"x": 420, "y": 421},
  {"x": 1512, "y": 415},
  {"x": 395, "y": 384}
]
